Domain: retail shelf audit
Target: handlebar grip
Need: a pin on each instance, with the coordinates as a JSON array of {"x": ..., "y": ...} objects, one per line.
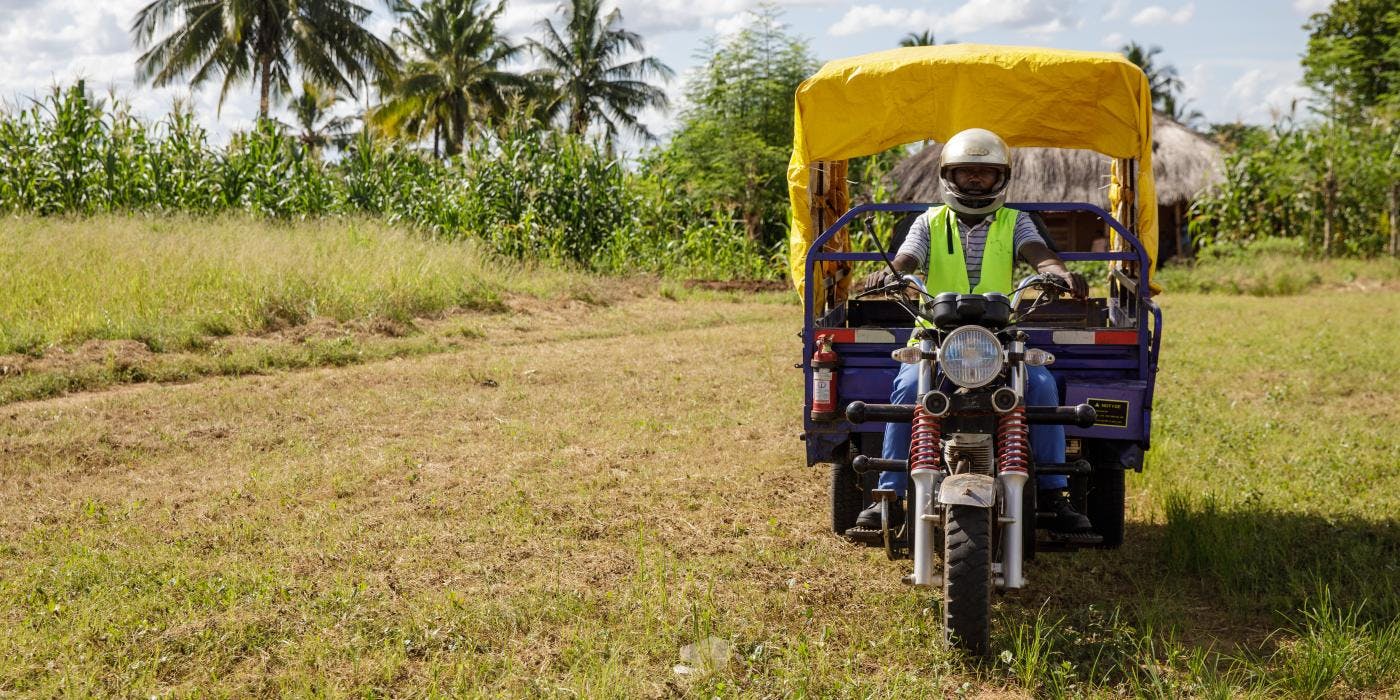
[
  {"x": 862, "y": 412},
  {"x": 863, "y": 464},
  {"x": 1082, "y": 415}
]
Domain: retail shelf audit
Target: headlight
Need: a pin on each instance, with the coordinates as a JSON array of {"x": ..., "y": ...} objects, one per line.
[{"x": 971, "y": 356}]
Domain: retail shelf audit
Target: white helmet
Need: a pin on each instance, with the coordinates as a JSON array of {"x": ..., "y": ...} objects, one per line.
[{"x": 981, "y": 148}]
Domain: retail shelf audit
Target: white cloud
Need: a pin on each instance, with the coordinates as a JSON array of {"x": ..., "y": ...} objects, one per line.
[
  {"x": 1116, "y": 9},
  {"x": 650, "y": 17},
  {"x": 1191, "y": 83},
  {"x": 1260, "y": 95},
  {"x": 1114, "y": 40},
  {"x": 1307, "y": 7},
  {"x": 730, "y": 26},
  {"x": 521, "y": 16},
  {"x": 1037, "y": 16},
  {"x": 1156, "y": 14},
  {"x": 1033, "y": 17},
  {"x": 863, "y": 18}
]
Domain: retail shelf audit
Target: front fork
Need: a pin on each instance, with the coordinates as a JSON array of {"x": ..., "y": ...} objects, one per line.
[
  {"x": 1011, "y": 477},
  {"x": 921, "y": 510},
  {"x": 1013, "y": 454}
]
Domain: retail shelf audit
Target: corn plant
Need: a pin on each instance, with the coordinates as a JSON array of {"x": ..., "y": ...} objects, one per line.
[{"x": 525, "y": 192}]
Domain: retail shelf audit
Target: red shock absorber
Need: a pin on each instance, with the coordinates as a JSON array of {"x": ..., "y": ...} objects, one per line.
[
  {"x": 925, "y": 440},
  {"x": 1013, "y": 441}
]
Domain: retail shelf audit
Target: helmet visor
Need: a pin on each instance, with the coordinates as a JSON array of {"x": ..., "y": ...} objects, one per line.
[{"x": 976, "y": 180}]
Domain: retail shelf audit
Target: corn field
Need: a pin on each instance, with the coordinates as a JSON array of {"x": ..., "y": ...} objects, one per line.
[
  {"x": 528, "y": 194},
  {"x": 1334, "y": 187}
]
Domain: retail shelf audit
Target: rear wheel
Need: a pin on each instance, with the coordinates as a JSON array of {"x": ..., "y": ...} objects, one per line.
[
  {"x": 846, "y": 498},
  {"x": 1105, "y": 506},
  {"x": 967, "y": 577}
]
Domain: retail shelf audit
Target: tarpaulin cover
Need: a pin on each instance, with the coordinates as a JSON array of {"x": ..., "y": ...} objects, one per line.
[{"x": 1029, "y": 96}]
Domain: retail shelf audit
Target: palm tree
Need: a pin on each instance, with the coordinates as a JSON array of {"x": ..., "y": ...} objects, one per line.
[
  {"x": 1162, "y": 80},
  {"x": 1182, "y": 112},
  {"x": 261, "y": 41},
  {"x": 592, "y": 80},
  {"x": 312, "y": 113},
  {"x": 455, "y": 78},
  {"x": 924, "y": 38}
]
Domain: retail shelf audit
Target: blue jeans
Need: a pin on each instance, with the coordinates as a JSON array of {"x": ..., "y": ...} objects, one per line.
[{"x": 1047, "y": 441}]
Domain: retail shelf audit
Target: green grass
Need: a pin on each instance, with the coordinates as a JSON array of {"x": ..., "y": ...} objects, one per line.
[
  {"x": 172, "y": 283},
  {"x": 188, "y": 291},
  {"x": 546, "y": 512},
  {"x": 1274, "y": 267}
]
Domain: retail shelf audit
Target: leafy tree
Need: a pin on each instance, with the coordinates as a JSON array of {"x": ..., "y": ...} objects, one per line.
[
  {"x": 261, "y": 41},
  {"x": 316, "y": 126},
  {"x": 592, "y": 79},
  {"x": 735, "y": 134},
  {"x": 456, "y": 76},
  {"x": 1353, "y": 54},
  {"x": 1162, "y": 79},
  {"x": 924, "y": 38}
]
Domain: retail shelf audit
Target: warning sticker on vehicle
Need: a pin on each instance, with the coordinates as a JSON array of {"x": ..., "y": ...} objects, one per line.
[{"x": 1110, "y": 412}]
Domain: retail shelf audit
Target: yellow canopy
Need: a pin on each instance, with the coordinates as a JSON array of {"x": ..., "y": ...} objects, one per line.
[{"x": 1029, "y": 96}]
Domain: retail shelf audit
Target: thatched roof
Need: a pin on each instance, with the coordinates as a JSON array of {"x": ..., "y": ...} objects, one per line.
[{"x": 1183, "y": 164}]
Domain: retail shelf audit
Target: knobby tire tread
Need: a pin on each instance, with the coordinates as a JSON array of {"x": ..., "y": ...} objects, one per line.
[{"x": 967, "y": 578}]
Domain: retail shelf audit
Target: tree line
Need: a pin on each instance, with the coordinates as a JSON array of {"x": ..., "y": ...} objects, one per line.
[
  {"x": 1327, "y": 172},
  {"x": 447, "y": 100}
]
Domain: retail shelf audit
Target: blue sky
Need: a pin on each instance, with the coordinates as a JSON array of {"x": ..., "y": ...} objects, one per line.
[{"x": 1238, "y": 60}]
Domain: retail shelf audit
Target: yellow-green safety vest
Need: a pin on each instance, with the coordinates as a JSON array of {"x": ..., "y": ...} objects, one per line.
[{"x": 947, "y": 268}]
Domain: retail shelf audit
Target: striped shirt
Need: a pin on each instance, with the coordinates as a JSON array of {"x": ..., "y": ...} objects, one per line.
[{"x": 974, "y": 241}]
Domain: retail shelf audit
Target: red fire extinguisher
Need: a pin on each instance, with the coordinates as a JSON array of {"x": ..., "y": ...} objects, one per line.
[{"x": 824, "y": 362}]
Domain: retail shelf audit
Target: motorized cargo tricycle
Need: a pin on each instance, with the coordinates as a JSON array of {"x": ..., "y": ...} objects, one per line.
[{"x": 971, "y": 522}]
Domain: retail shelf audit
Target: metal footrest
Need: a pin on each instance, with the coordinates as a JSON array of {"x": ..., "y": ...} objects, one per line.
[
  {"x": 1076, "y": 539},
  {"x": 1080, "y": 467}
]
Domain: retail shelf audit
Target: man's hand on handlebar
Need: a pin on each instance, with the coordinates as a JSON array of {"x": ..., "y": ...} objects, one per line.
[
  {"x": 1073, "y": 281},
  {"x": 904, "y": 264},
  {"x": 875, "y": 280}
]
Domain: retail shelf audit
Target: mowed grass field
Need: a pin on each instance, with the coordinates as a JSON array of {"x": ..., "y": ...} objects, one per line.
[{"x": 562, "y": 497}]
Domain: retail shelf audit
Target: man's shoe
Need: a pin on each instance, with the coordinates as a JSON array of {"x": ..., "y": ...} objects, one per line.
[
  {"x": 869, "y": 519},
  {"x": 1067, "y": 519}
]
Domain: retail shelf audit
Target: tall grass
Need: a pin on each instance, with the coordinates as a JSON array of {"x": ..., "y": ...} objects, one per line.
[
  {"x": 527, "y": 194},
  {"x": 173, "y": 282},
  {"x": 1272, "y": 267}
]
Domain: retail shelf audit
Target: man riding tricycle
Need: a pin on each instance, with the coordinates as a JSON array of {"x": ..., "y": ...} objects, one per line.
[{"x": 970, "y": 421}]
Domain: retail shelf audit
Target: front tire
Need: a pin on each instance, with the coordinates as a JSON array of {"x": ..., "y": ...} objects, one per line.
[{"x": 967, "y": 577}]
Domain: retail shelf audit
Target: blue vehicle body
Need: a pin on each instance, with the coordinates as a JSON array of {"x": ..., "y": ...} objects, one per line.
[{"x": 1112, "y": 367}]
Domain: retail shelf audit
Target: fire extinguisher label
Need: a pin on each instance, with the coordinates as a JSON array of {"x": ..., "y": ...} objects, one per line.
[{"x": 821, "y": 386}]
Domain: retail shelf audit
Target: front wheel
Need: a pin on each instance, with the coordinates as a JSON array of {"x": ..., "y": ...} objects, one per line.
[{"x": 967, "y": 577}]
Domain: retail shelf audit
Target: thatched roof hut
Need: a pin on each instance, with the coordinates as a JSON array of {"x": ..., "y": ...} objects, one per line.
[{"x": 1183, "y": 164}]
